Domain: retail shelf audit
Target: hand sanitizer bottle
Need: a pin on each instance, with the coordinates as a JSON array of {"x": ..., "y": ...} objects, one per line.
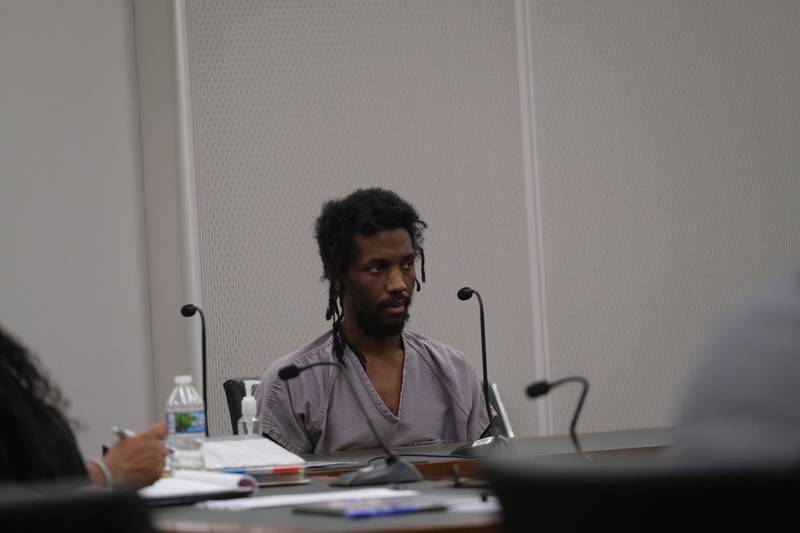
[{"x": 249, "y": 425}]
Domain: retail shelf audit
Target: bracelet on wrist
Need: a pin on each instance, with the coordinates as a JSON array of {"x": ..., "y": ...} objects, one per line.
[{"x": 100, "y": 464}]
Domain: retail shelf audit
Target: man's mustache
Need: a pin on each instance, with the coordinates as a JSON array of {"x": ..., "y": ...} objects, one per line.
[{"x": 395, "y": 302}]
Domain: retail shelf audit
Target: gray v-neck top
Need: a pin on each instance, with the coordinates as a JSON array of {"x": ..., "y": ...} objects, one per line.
[{"x": 440, "y": 401}]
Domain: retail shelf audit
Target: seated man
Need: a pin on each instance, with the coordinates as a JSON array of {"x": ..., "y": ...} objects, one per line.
[
  {"x": 37, "y": 444},
  {"x": 416, "y": 390}
]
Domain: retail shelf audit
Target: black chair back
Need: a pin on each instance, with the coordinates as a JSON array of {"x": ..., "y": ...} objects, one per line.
[{"x": 235, "y": 390}]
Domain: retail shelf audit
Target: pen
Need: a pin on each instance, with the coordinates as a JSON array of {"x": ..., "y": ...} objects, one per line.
[
  {"x": 278, "y": 470},
  {"x": 383, "y": 511},
  {"x": 122, "y": 433}
]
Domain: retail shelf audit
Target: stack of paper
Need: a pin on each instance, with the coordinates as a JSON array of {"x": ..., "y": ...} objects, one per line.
[
  {"x": 219, "y": 453},
  {"x": 267, "y": 462}
]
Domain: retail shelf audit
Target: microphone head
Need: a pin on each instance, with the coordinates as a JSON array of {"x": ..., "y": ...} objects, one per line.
[
  {"x": 465, "y": 293},
  {"x": 537, "y": 389},
  {"x": 188, "y": 310},
  {"x": 289, "y": 372}
]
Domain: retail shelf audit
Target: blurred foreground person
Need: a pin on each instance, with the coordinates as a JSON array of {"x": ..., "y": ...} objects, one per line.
[
  {"x": 37, "y": 443},
  {"x": 743, "y": 401}
]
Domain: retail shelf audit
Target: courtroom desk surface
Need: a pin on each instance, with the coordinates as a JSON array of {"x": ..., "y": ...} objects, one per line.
[
  {"x": 626, "y": 443},
  {"x": 282, "y": 519},
  {"x": 629, "y": 443}
]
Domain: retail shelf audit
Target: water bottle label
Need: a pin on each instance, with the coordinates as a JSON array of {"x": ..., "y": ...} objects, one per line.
[{"x": 188, "y": 422}]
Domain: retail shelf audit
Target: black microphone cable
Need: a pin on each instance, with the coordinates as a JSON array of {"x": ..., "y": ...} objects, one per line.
[
  {"x": 302, "y": 427},
  {"x": 292, "y": 371},
  {"x": 394, "y": 469},
  {"x": 541, "y": 388}
]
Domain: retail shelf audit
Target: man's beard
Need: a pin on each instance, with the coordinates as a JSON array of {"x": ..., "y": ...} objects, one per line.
[{"x": 369, "y": 321}]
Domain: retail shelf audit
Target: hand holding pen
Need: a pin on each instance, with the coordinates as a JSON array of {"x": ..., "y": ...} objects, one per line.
[
  {"x": 122, "y": 433},
  {"x": 137, "y": 459}
]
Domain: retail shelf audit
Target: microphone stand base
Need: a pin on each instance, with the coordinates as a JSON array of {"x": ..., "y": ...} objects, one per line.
[
  {"x": 379, "y": 474},
  {"x": 483, "y": 447}
]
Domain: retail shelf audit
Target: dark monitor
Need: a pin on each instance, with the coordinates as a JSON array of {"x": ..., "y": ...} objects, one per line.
[
  {"x": 48, "y": 508},
  {"x": 569, "y": 494}
]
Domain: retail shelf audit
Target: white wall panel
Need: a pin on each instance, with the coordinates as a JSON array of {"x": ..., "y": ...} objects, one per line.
[
  {"x": 298, "y": 102},
  {"x": 668, "y": 149},
  {"x": 73, "y": 277},
  {"x": 648, "y": 151}
]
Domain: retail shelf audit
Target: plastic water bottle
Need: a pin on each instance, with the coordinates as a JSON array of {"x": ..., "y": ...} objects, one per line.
[
  {"x": 186, "y": 422},
  {"x": 249, "y": 425}
]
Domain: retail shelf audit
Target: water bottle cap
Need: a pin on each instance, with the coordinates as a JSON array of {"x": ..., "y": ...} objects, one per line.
[
  {"x": 183, "y": 380},
  {"x": 249, "y": 406}
]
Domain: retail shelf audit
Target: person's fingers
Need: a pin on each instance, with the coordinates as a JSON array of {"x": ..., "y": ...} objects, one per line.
[
  {"x": 156, "y": 431},
  {"x": 139, "y": 460},
  {"x": 153, "y": 453},
  {"x": 140, "y": 470}
]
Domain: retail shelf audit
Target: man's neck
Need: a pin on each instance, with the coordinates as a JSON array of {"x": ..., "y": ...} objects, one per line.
[{"x": 371, "y": 346}]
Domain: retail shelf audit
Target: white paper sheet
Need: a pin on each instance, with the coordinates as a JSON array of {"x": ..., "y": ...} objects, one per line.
[
  {"x": 241, "y": 504},
  {"x": 473, "y": 504},
  {"x": 195, "y": 482},
  {"x": 244, "y": 453}
]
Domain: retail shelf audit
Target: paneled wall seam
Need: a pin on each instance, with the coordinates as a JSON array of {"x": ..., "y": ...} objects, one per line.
[
  {"x": 532, "y": 195},
  {"x": 142, "y": 199},
  {"x": 189, "y": 217}
]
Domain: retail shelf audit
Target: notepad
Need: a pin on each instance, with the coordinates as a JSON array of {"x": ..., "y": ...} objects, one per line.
[{"x": 189, "y": 486}]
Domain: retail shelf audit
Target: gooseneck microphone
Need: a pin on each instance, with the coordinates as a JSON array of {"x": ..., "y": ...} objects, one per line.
[
  {"x": 486, "y": 445},
  {"x": 464, "y": 294},
  {"x": 394, "y": 469},
  {"x": 540, "y": 388},
  {"x": 189, "y": 310}
]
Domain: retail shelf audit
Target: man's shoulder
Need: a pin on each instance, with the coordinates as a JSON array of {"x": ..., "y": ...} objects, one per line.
[
  {"x": 450, "y": 365},
  {"x": 320, "y": 349},
  {"x": 440, "y": 353},
  {"x": 428, "y": 342}
]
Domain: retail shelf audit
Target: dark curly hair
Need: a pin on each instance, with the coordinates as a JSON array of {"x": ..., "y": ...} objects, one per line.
[
  {"x": 20, "y": 369},
  {"x": 37, "y": 441},
  {"x": 364, "y": 212}
]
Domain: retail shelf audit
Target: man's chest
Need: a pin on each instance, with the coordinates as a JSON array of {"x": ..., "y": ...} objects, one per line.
[
  {"x": 387, "y": 380},
  {"x": 423, "y": 414}
]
